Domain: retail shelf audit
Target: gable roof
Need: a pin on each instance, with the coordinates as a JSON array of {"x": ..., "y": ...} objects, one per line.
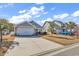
[
  {"x": 35, "y": 24},
  {"x": 25, "y": 23},
  {"x": 31, "y": 23},
  {"x": 49, "y": 22},
  {"x": 52, "y": 22}
]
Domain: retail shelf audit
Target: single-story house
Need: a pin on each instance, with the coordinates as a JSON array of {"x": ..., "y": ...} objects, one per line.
[
  {"x": 27, "y": 28},
  {"x": 76, "y": 28}
]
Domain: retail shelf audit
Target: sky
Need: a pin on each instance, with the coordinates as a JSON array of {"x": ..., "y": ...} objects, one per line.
[{"x": 39, "y": 12}]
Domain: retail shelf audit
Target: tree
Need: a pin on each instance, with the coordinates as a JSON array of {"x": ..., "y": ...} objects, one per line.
[
  {"x": 70, "y": 25},
  {"x": 2, "y": 27},
  {"x": 50, "y": 29},
  {"x": 8, "y": 25},
  {"x": 4, "y": 24},
  {"x": 53, "y": 27}
]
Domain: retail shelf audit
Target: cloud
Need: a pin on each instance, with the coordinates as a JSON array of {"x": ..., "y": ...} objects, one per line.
[
  {"x": 32, "y": 12},
  {"x": 20, "y": 18},
  {"x": 48, "y": 19},
  {"x": 41, "y": 22},
  {"x": 36, "y": 10},
  {"x": 61, "y": 16},
  {"x": 76, "y": 13},
  {"x": 22, "y": 11},
  {"x": 7, "y": 5},
  {"x": 37, "y": 15}
]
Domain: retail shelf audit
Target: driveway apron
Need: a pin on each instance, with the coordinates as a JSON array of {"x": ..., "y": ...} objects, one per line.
[{"x": 31, "y": 45}]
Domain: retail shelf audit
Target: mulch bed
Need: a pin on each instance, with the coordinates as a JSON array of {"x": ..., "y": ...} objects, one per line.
[
  {"x": 4, "y": 47},
  {"x": 7, "y": 42}
]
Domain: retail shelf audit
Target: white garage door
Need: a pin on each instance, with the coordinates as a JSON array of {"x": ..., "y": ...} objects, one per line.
[{"x": 25, "y": 31}]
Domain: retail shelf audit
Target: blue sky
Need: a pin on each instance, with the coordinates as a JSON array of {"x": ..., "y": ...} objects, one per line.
[{"x": 39, "y": 12}]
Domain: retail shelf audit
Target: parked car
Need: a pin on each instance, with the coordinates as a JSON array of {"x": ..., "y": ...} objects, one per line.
[
  {"x": 76, "y": 33},
  {"x": 66, "y": 33}
]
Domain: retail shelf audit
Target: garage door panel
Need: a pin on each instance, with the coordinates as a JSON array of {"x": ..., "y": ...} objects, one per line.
[{"x": 25, "y": 31}]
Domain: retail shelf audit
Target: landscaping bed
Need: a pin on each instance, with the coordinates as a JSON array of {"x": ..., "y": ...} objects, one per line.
[
  {"x": 64, "y": 40},
  {"x": 7, "y": 41}
]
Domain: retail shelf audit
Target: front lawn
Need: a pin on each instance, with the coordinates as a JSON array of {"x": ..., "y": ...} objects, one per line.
[{"x": 61, "y": 39}]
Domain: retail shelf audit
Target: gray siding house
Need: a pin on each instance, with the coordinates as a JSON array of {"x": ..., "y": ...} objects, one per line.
[{"x": 27, "y": 28}]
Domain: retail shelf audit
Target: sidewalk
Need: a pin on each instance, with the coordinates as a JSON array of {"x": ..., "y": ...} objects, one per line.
[{"x": 72, "y": 50}]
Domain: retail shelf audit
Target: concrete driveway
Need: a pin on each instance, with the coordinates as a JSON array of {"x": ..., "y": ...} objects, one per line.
[{"x": 31, "y": 45}]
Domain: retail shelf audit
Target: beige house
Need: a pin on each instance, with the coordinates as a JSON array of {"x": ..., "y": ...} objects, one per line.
[{"x": 46, "y": 26}]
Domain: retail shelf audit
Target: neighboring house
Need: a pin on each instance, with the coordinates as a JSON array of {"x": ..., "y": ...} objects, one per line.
[
  {"x": 26, "y": 28},
  {"x": 46, "y": 26},
  {"x": 58, "y": 26},
  {"x": 76, "y": 28}
]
